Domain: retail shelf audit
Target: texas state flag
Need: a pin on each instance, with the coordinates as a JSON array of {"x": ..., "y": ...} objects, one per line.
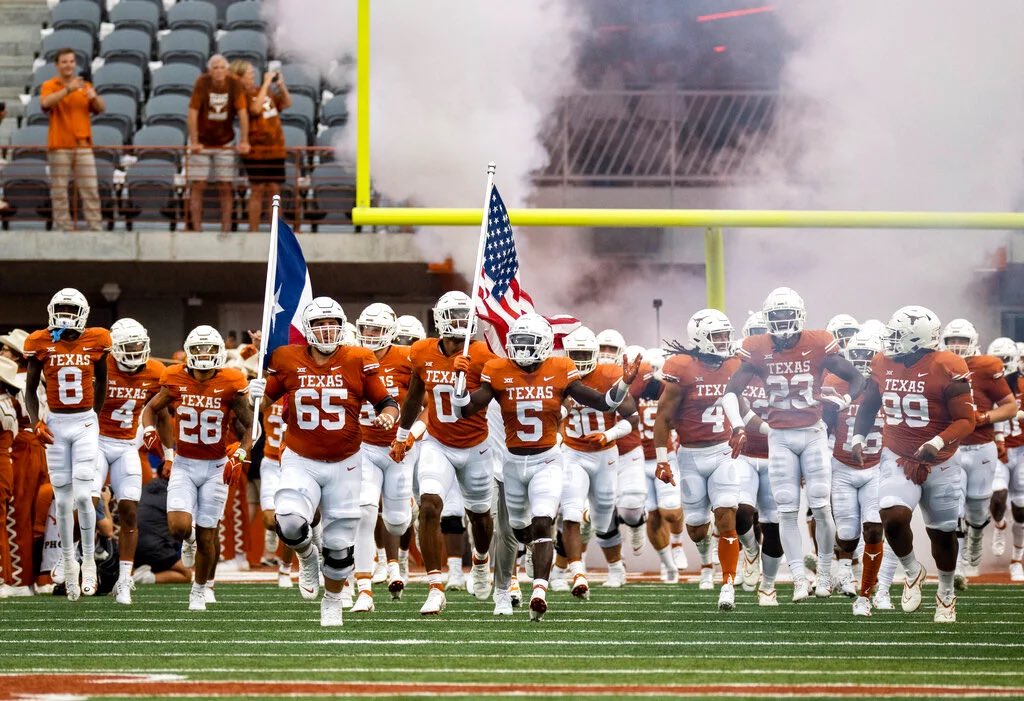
[{"x": 292, "y": 292}]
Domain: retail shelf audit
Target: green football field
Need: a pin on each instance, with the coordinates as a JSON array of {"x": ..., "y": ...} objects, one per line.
[{"x": 646, "y": 639}]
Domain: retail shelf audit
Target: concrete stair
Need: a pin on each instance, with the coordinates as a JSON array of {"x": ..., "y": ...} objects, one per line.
[{"x": 20, "y": 22}]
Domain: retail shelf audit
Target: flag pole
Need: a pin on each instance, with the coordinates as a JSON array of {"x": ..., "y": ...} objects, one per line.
[
  {"x": 460, "y": 382},
  {"x": 268, "y": 302}
]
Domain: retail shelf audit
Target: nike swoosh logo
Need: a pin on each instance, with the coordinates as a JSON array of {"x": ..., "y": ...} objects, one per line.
[
  {"x": 88, "y": 424},
  {"x": 807, "y": 352},
  {"x": 548, "y": 379},
  {"x": 386, "y": 369},
  {"x": 336, "y": 367},
  {"x": 307, "y": 589},
  {"x": 483, "y": 451},
  {"x": 352, "y": 468},
  {"x": 943, "y": 468},
  {"x": 984, "y": 462},
  {"x": 217, "y": 391},
  {"x": 546, "y": 462},
  {"x": 922, "y": 374}
]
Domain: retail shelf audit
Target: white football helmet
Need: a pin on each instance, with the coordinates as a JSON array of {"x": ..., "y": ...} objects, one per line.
[
  {"x": 129, "y": 343},
  {"x": 1020, "y": 349},
  {"x": 655, "y": 357},
  {"x": 379, "y": 318},
  {"x": 204, "y": 349},
  {"x": 614, "y": 340},
  {"x": 324, "y": 337},
  {"x": 581, "y": 346},
  {"x": 842, "y": 327},
  {"x": 911, "y": 329},
  {"x": 408, "y": 330},
  {"x": 529, "y": 340},
  {"x": 710, "y": 332},
  {"x": 784, "y": 312},
  {"x": 631, "y": 352},
  {"x": 68, "y": 309},
  {"x": 861, "y": 349},
  {"x": 960, "y": 337},
  {"x": 451, "y": 315},
  {"x": 875, "y": 328},
  {"x": 755, "y": 325},
  {"x": 1006, "y": 350}
]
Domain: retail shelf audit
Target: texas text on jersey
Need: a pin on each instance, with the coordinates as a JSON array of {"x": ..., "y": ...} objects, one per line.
[
  {"x": 530, "y": 401},
  {"x": 203, "y": 410},
  {"x": 127, "y": 394},
  {"x": 437, "y": 372},
  {"x": 68, "y": 366},
  {"x": 700, "y": 419},
  {"x": 756, "y": 445}
]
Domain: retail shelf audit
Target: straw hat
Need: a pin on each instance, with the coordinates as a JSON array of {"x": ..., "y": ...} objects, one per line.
[
  {"x": 10, "y": 375},
  {"x": 15, "y": 340}
]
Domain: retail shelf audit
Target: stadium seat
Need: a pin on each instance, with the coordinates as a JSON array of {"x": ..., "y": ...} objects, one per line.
[
  {"x": 137, "y": 14},
  {"x": 222, "y": 9},
  {"x": 77, "y": 40},
  {"x": 335, "y": 111},
  {"x": 76, "y": 14},
  {"x": 159, "y": 135},
  {"x": 293, "y": 199},
  {"x": 169, "y": 109},
  {"x": 326, "y": 139},
  {"x": 193, "y": 14},
  {"x": 129, "y": 46},
  {"x": 149, "y": 192},
  {"x": 302, "y": 114},
  {"x": 41, "y": 75},
  {"x": 34, "y": 113},
  {"x": 29, "y": 136},
  {"x": 122, "y": 112},
  {"x": 295, "y": 137},
  {"x": 334, "y": 195},
  {"x": 174, "y": 78},
  {"x": 106, "y": 135},
  {"x": 26, "y": 190},
  {"x": 302, "y": 79},
  {"x": 120, "y": 79},
  {"x": 244, "y": 44},
  {"x": 102, "y": 4},
  {"x": 186, "y": 46},
  {"x": 245, "y": 15}
]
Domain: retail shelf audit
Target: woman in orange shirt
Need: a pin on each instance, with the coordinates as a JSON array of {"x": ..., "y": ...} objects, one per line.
[{"x": 264, "y": 165}]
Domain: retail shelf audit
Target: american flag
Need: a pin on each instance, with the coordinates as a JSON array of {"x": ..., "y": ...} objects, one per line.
[{"x": 501, "y": 300}]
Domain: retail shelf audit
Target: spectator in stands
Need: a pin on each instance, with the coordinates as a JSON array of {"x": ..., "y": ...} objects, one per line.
[
  {"x": 217, "y": 98},
  {"x": 264, "y": 165},
  {"x": 157, "y": 559},
  {"x": 70, "y": 103}
]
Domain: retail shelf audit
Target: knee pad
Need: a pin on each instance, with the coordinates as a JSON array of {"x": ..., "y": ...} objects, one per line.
[
  {"x": 394, "y": 526},
  {"x": 522, "y": 535},
  {"x": 771, "y": 542},
  {"x": 976, "y": 512},
  {"x": 339, "y": 563},
  {"x": 452, "y": 525},
  {"x": 609, "y": 539},
  {"x": 82, "y": 491},
  {"x": 847, "y": 529},
  {"x": 632, "y": 517},
  {"x": 293, "y": 530},
  {"x": 818, "y": 494}
]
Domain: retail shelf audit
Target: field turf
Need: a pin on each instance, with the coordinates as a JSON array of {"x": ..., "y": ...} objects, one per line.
[{"x": 653, "y": 640}]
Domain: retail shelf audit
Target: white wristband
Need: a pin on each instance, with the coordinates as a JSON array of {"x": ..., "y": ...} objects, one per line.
[
  {"x": 168, "y": 454},
  {"x": 401, "y": 435},
  {"x": 936, "y": 443},
  {"x": 661, "y": 454},
  {"x": 764, "y": 429},
  {"x": 620, "y": 430},
  {"x": 858, "y": 440},
  {"x": 418, "y": 429}
]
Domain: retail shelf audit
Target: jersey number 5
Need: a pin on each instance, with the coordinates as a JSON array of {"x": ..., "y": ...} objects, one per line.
[{"x": 313, "y": 407}]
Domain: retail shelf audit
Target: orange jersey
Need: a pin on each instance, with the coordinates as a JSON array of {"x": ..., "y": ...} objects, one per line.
[
  {"x": 127, "y": 393},
  {"x": 582, "y": 420},
  {"x": 792, "y": 376},
  {"x": 647, "y": 411},
  {"x": 700, "y": 418},
  {"x": 395, "y": 372},
  {"x": 324, "y": 401},
  {"x": 645, "y": 395},
  {"x": 756, "y": 445},
  {"x": 635, "y": 439},
  {"x": 843, "y": 449},
  {"x": 69, "y": 366},
  {"x": 913, "y": 402},
  {"x": 988, "y": 386},
  {"x": 203, "y": 410},
  {"x": 1015, "y": 432},
  {"x": 531, "y": 402},
  {"x": 437, "y": 373},
  {"x": 273, "y": 429}
]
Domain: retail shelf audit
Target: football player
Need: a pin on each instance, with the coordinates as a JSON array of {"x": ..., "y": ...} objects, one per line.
[
  {"x": 385, "y": 481},
  {"x": 452, "y": 450},
  {"x": 843, "y": 327},
  {"x": 994, "y": 403},
  {"x": 926, "y": 397},
  {"x": 1008, "y": 483},
  {"x": 133, "y": 378},
  {"x": 408, "y": 330},
  {"x": 208, "y": 400},
  {"x": 72, "y": 360},
  {"x": 589, "y": 436},
  {"x": 855, "y": 482},
  {"x": 530, "y": 387},
  {"x": 270, "y": 481},
  {"x": 791, "y": 362},
  {"x": 708, "y": 474},
  {"x": 630, "y": 483}
]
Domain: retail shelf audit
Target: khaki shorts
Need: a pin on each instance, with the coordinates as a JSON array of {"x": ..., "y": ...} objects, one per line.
[{"x": 213, "y": 165}]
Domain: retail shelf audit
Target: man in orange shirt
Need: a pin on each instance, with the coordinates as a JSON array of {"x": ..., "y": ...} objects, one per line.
[{"x": 70, "y": 102}]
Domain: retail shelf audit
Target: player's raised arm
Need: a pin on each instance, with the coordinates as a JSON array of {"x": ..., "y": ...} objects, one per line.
[{"x": 844, "y": 369}]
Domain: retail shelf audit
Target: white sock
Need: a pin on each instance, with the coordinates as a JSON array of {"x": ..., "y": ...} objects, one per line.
[
  {"x": 945, "y": 585},
  {"x": 124, "y": 570},
  {"x": 675, "y": 538},
  {"x": 910, "y": 565},
  {"x": 365, "y": 547},
  {"x": 749, "y": 542},
  {"x": 665, "y": 555},
  {"x": 87, "y": 528},
  {"x": 793, "y": 544},
  {"x": 888, "y": 569},
  {"x": 454, "y": 564},
  {"x": 704, "y": 549},
  {"x": 769, "y": 570},
  {"x": 575, "y": 568},
  {"x": 198, "y": 588},
  {"x": 824, "y": 536}
]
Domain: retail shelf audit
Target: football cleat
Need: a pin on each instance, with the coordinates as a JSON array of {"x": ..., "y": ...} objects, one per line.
[
  {"x": 502, "y": 603},
  {"x": 435, "y": 603},
  {"x": 196, "y": 600},
  {"x": 309, "y": 575},
  {"x": 515, "y": 593},
  {"x": 284, "y": 580},
  {"x": 57, "y": 573},
  {"x": 528, "y": 563},
  {"x": 750, "y": 571},
  {"x": 580, "y": 587},
  {"x": 396, "y": 582},
  {"x": 767, "y": 598},
  {"x": 1016, "y": 571},
  {"x": 380, "y": 572},
  {"x": 143, "y": 574},
  {"x": 669, "y": 575},
  {"x": 456, "y": 580},
  {"x": 679, "y": 556},
  {"x": 208, "y": 594},
  {"x": 347, "y": 591},
  {"x": 801, "y": 589},
  {"x": 616, "y": 575},
  {"x": 331, "y": 612},
  {"x": 945, "y": 611},
  {"x": 882, "y": 601},
  {"x": 727, "y": 597},
  {"x": 707, "y": 578},
  {"x": 89, "y": 582},
  {"x": 188, "y": 553},
  {"x": 847, "y": 583},
  {"x": 538, "y": 604},
  {"x": 911, "y": 599},
  {"x": 999, "y": 541},
  {"x": 71, "y": 579},
  {"x": 480, "y": 580},
  {"x": 823, "y": 587},
  {"x": 637, "y": 538},
  {"x": 123, "y": 591},
  {"x": 17, "y": 592},
  {"x": 811, "y": 563},
  {"x": 363, "y": 604},
  {"x": 861, "y": 606}
]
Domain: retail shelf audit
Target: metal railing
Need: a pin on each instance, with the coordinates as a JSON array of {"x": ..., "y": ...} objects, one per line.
[
  {"x": 658, "y": 137},
  {"x": 148, "y": 187}
]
